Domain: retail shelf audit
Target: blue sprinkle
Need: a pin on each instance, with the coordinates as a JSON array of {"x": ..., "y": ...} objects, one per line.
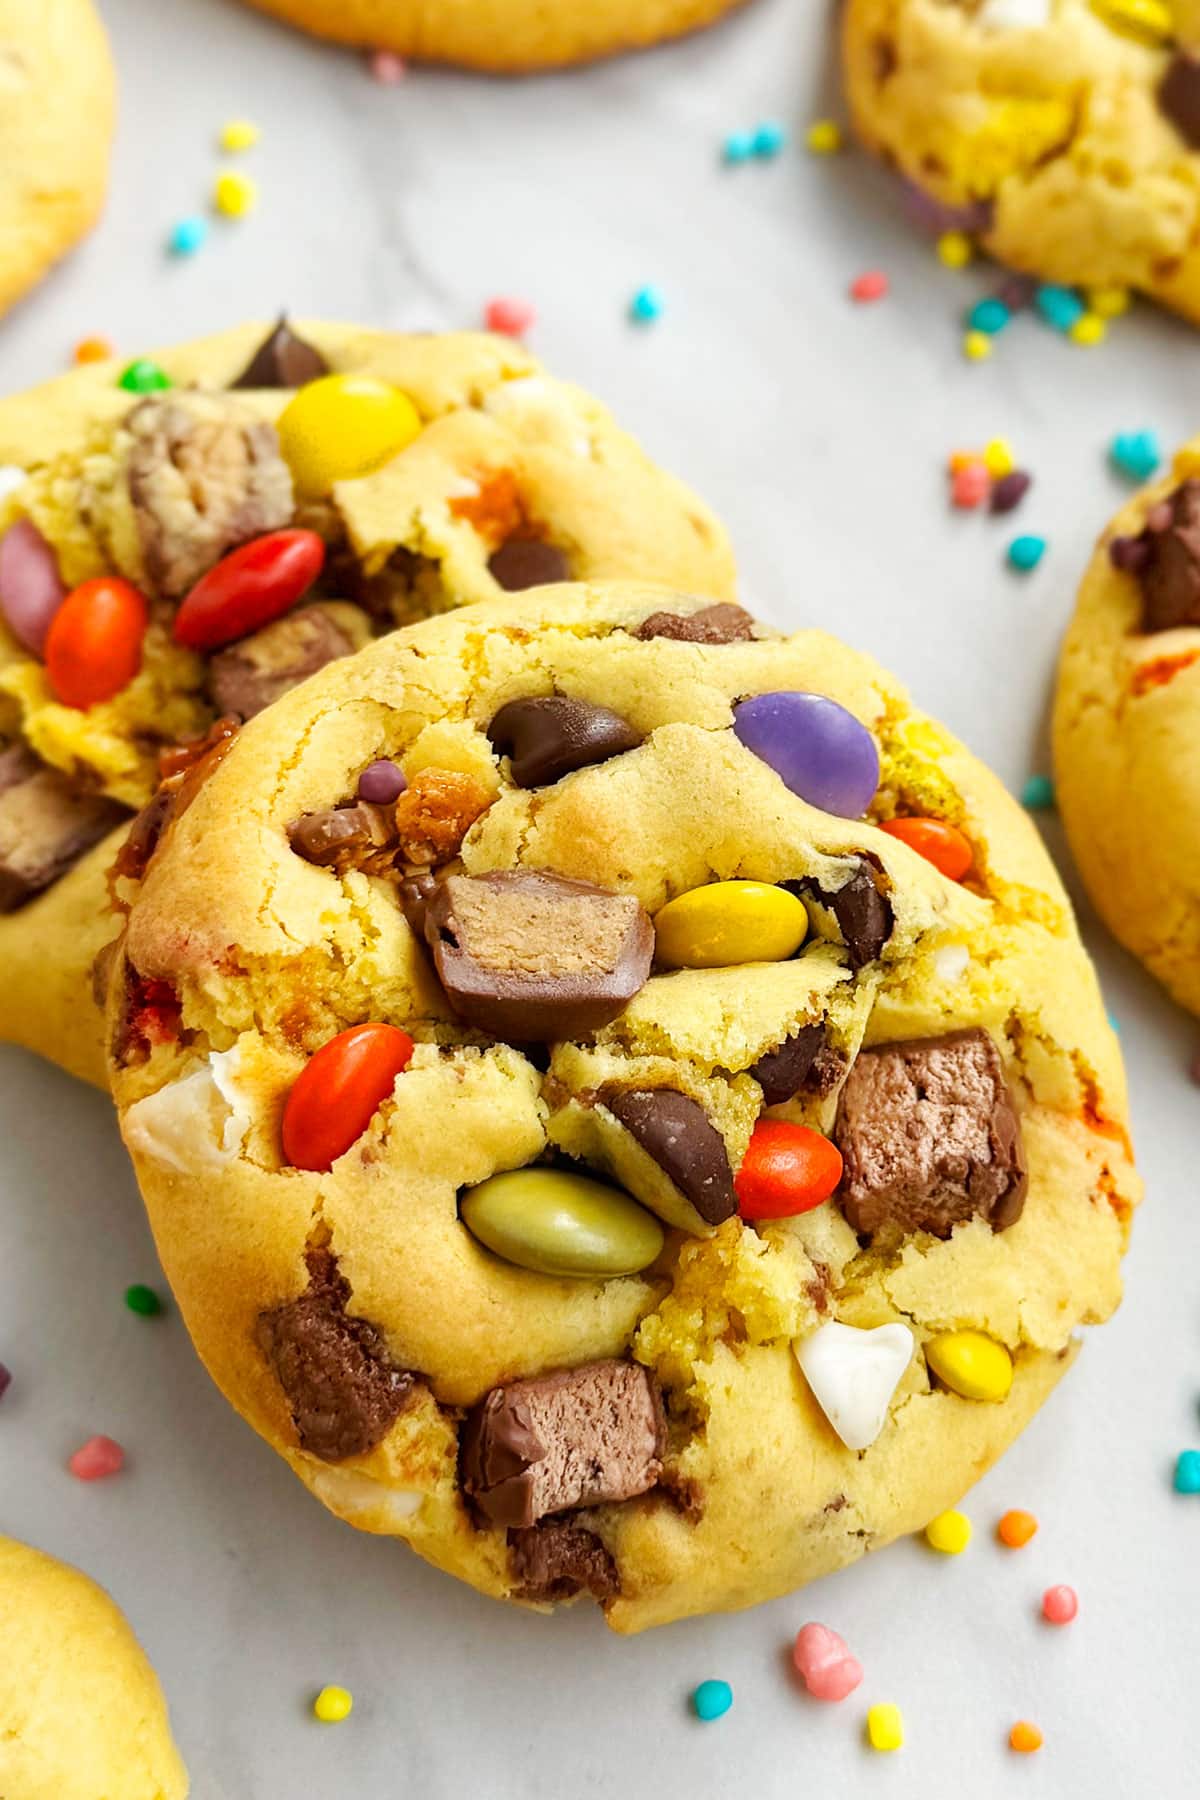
[
  {"x": 187, "y": 236},
  {"x": 769, "y": 138},
  {"x": 989, "y": 316},
  {"x": 1059, "y": 306},
  {"x": 1136, "y": 454},
  {"x": 1025, "y": 553},
  {"x": 1187, "y": 1481},
  {"x": 738, "y": 147},
  {"x": 1038, "y": 793},
  {"x": 647, "y": 305},
  {"x": 1114, "y": 1024},
  {"x": 713, "y": 1698}
]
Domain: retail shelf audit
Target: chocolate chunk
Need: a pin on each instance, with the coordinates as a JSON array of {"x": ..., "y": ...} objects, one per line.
[
  {"x": 547, "y": 737},
  {"x": 579, "y": 1437},
  {"x": 723, "y": 624},
  {"x": 532, "y": 957},
  {"x": 1179, "y": 96},
  {"x": 46, "y": 825},
  {"x": 782, "y": 1072},
  {"x": 863, "y": 913},
  {"x": 342, "y": 1387},
  {"x": 1169, "y": 570},
  {"x": 557, "y": 1560},
  {"x": 1129, "y": 554},
  {"x": 930, "y": 1137},
  {"x": 528, "y": 562},
  {"x": 414, "y": 900},
  {"x": 346, "y": 837},
  {"x": 248, "y": 676},
  {"x": 282, "y": 360},
  {"x": 675, "y": 1132}
]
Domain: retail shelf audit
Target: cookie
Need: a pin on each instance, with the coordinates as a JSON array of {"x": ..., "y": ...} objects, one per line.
[
  {"x": 408, "y": 474},
  {"x": 617, "y": 1162},
  {"x": 500, "y": 36},
  {"x": 83, "y": 1714},
  {"x": 1064, "y": 135},
  {"x": 57, "y": 105},
  {"x": 1125, "y": 728}
]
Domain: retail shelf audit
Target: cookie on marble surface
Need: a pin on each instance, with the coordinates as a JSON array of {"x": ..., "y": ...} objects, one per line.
[
  {"x": 1126, "y": 720},
  {"x": 1063, "y": 134},
  {"x": 481, "y": 475},
  {"x": 57, "y": 104},
  {"x": 527, "y": 984},
  {"x": 81, "y": 1711},
  {"x": 500, "y": 36}
]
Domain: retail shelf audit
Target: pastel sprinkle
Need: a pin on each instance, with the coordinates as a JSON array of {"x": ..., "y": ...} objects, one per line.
[
  {"x": 738, "y": 147},
  {"x": 823, "y": 137},
  {"x": 5, "y": 1380},
  {"x": 92, "y": 349},
  {"x": 1009, "y": 491},
  {"x": 1016, "y": 1528},
  {"x": 871, "y": 285},
  {"x": 950, "y": 1533},
  {"x": 143, "y": 1301},
  {"x": 999, "y": 458},
  {"x": 1088, "y": 329},
  {"x": 187, "y": 235},
  {"x": 990, "y": 315},
  {"x": 511, "y": 317},
  {"x": 1060, "y": 307},
  {"x": 1187, "y": 1472},
  {"x": 386, "y": 67},
  {"x": 1025, "y": 553},
  {"x": 824, "y": 1664},
  {"x": 977, "y": 346},
  {"x": 885, "y": 1727},
  {"x": 770, "y": 137},
  {"x": 1059, "y": 1605},
  {"x": 1038, "y": 793},
  {"x": 96, "y": 1459},
  {"x": 955, "y": 249},
  {"x": 143, "y": 377},
  {"x": 646, "y": 306},
  {"x": 333, "y": 1704},
  {"x": 712, "y": 1700},
  {"x": 234, "y": 194},
  {"x": 1136, "y": 454},
  {"x": 1025, "y": 1738},
  {"x": 970, "y": 485},
  {"x": 239, "y": 134},
  {"x": 1108, "y": 302}
]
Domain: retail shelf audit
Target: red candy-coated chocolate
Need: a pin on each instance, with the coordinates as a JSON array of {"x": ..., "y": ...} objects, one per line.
[
  {"x": 99, "y": 1457},
  {"x": 94, "y": 644},
  {"x": 941, "y": 844},
  {"x": 787, "y": 1169},
  {"x": 248, "y": 588},
  {"x": 339, "y": 1093}
]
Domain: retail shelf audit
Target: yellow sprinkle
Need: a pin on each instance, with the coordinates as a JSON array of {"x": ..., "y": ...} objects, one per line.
[
  {"x": 1089, "y": 328},
  {"x": 823, "y": 137},
  {"x": 999, "y": 458},
  {"x": 977, "y": 345},
  {"x": 1137, "y": 18},
  {"x": 971, "y": 1364},
  {"x": 885, "y": 1727},
  {"x": 333, "y": 1704},
  {"x": 1109, "y": 302},
  {"x": 239, "y": 134},
  {"x": 234, "y": 194},
  {"x": 1186, "y": 463},
  {"x": 950, "y": 1533},
  {"x": 955, "y": 249}
]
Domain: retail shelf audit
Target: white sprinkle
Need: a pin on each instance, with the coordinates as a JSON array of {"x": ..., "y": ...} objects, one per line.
[
  {"x": 853, "y": 1375},
  {"x": 11, "y": 478},
  {"x": 950, "y": 962}
]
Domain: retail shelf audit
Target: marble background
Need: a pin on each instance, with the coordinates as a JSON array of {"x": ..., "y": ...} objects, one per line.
[{"x": 819, "y": 430}]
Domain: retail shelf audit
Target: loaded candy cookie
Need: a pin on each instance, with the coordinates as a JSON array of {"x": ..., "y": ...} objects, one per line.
[
  {"x": 184, "y": 539},
  {"x": 57, "y": 102},
  {"x": 500, "y": 36},
  {"x": 1125, "y": 728},
  {"x": 81, "y": 1711},
  {"x": 630, "y": 1114},
  {"x": 1064, "y": 135}
]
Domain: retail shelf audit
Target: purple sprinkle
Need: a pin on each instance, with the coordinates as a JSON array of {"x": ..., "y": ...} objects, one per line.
[
  {"x": 5, "y": 1380},
  {"x": 1128, "y": 554},
  {"x": 1017, "y": 292},
  {"x": 1010, "y": 490},
  {"x": 935, "y": 217},
  {"x": 817, "y": 748},
  {"x": 381, "y": 782}
]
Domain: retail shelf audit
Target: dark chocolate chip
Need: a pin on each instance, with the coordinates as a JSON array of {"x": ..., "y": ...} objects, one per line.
[
  {"x": 1010, "y": 490},
  {"x": 723, "y": 624},
  {"x": 528, "y": 562},
  {"x": 557, "y": 1560},
  {"x": 1169, "y": 572},
  {"x": 1179, "y": 96},
  {"x": 782, "y": 1072},
  {"x": 344, "y": 1391},
  {"x": 862, "y": 911},
  {"x": 675, "y": 1132},
  {"x": 534, "y": 958},
  {"x": 282, "y": 360},
  {"x": 546, "y": 738}
]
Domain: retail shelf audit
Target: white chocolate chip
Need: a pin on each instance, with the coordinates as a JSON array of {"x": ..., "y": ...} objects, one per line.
[
  {"x": 1014, "y": 15},
  {"x": 197, "y": 1122},
  {"x": 950, "y": 962},
  {"x": 361, "y": 1500},
  {"x": 11, "y": 478},
  {"x": 461, "y": 487},
  {"x": 853, "y": 1375}
]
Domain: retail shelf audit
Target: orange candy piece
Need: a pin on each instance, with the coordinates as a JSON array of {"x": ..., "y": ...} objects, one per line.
[
  {"x": 1016, "y": 1528},
  {"x": 1025, "y": 1737},
  {"x": 335, "y": 1098},
  {"x": 939, "y": 843},
  {"x": 94, "y": 644}
]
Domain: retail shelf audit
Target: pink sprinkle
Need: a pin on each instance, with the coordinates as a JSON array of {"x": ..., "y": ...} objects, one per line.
[
  {"x": 970, "y": 485},
  {"x": 824, "y": 1664},
  {"x": 512, "y": 317},
  {"x": 387, "y": 68},
  {"x": 99, "y": 1457},
  {"x": 871, "y": 286},
  {"x": 1060, "y": 1605}
]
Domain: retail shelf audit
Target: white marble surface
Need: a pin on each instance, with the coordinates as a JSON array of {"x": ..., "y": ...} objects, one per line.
[{"x": 819, "y": 431}]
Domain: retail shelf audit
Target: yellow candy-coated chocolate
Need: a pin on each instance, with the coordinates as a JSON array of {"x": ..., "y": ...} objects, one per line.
[
  {"x": 730, "y": 922},
  {"x": 333, "y": 1704},
  {"x": 885, "y": 1727},
  {"x": 557, "y": 1223},
  {"x": 340, "y": 426},
  {"x": 950, "y": 1533},
  {"x": 971, "y": 1364}
]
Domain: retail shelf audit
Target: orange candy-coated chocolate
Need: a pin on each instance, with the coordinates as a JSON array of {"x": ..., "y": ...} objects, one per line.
[{"x": 941, "y": 844}]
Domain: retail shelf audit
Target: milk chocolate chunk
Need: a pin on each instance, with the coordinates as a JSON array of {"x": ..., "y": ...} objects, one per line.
[
  {"x": 1179, "y": 96},
  {"x": 249, "y": 676},
  {"x": 557, "y": 1560},
  {"x": 579, "y": 1437},
  {"x": 548, "y": 736},
  {"x": 1169, "y": 569},
  {"x": 46, "y": 825},
  {"x": 334, "y": 1368},
  {"x": 527, "y": 562},
  {"x": 346, "y": 837},
  {"x": 723, "y": 624},
  {"x": 804, "y": 1062},
  {"x": 282, "y": 360},
  {"x": 930, "y": 1137},
  {"x": 414, "y": 900},
  {"x": 860, "y": 908},
  {"x": 532, "y": 957},
  {"x": 675, "y": 1132}
]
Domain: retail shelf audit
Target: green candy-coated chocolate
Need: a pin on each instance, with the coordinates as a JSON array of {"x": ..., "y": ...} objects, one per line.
[
  {"x": 561, "y": 1224},
  {"x": 144, "y": 377}
]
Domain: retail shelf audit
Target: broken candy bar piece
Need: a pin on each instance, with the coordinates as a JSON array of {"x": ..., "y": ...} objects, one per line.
[
  {"x": 806, "y": 1062},
  {"x": 675, "y": 1132},
  {"x": 722, "y": 624},
  {"x": 557, "y": 1560},
  {"x": 1169, "y": 571},
  {"x": 346, "y": 837},
  {"x": 534, "y": 958},
  {"x": 579, "y": 1437},
  {"x": 249, "y": 676},
  {"x": 929, "y": 1136},
  {"x": 46, "y": 825}
]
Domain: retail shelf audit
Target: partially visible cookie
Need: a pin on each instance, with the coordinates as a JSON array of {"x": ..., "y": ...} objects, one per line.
[
  {"x": 57, "y": 102},
  {"x": 82, "y": 1716},
  {"x": 1064, "y": 135},
  {"x": 1127, "y": 728}
]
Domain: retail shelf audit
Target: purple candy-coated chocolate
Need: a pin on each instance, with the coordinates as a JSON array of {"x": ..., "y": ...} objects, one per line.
[
  {"x": 5, "y": 1380},
  {"x": 31, "y": 590},
  {"x": 1128, "y": 553},
  {"x": 932, "y": 216},
  {"x": 381, "y": 782},
  {"x": 815, "y": 746}
]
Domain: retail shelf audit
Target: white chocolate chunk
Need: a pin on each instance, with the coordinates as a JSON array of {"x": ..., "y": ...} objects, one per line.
[
  {"x": 11, "y": 478},
  {"x": 950, "y": 962},
  {"x": 1014, "y": 15},
  {"x": 363, "y": 1501},
  {"x": 853, "y": 1375},
  {"x": 197, "y": 1122}
]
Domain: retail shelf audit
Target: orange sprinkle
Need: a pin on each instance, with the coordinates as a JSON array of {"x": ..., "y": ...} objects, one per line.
[
  {"x": 1161, "y": 670},
  {"x": 495, "y": 510},
  {"x": 1025, "y": 1737},
  {"x": 93, "y": 349},
  {"x": 941, "y": 844},
  {"x": 1016, "y": 1528},
  {"x": 963, "y": 459}
]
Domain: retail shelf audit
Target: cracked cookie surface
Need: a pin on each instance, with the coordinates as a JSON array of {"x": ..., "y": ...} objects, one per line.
[{"x": 537, "y": 1434}]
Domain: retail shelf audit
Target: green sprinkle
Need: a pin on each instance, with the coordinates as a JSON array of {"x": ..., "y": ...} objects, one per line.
[
  {"x": 1038, "y": 793},
  {"x": 142, "y": 1300},
  {"x": 144, "y": 377}
]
